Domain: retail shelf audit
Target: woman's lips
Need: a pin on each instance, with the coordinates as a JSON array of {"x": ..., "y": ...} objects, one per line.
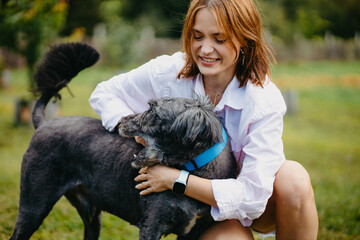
[{"x": 208, "y": 60}]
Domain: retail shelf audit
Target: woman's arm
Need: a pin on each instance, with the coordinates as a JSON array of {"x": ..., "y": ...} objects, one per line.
[
  {"x": 130, "y": 92},
  {"x": 123, "y": 94},
  {"x": 160, "y": 178}
]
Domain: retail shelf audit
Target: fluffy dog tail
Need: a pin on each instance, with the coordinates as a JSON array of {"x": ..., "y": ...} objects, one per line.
[{"x": 60, "y": 65}]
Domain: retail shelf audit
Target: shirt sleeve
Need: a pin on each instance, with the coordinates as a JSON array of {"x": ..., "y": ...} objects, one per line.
[
  {"x": 245, "y": 198},
  {"x": 130, "y": 92}
]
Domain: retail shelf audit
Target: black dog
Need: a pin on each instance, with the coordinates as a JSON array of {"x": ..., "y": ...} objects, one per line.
[{"x": 76, "y": 157}]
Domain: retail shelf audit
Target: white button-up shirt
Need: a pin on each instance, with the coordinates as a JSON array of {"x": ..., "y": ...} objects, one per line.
[{"x": 252, "y": 115}]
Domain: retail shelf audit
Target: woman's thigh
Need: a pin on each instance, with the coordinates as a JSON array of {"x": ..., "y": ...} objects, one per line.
[
  {"x": 290, "y": 182},
  {"x": 226, "y": 230},
  {"x": 266, "y": 222}
]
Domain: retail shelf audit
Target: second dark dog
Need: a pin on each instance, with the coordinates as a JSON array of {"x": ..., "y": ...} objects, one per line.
[{"x": 76, "y": 157}]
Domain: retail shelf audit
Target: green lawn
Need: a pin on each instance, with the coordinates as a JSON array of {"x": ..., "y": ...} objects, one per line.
[{"x": 324, "y": 135}]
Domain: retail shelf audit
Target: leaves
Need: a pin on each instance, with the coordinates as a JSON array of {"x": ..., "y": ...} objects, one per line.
[{"x": 26, "y": 25}]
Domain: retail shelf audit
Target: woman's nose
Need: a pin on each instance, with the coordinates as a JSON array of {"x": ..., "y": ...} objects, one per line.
[{"x": 207, "y": 47}]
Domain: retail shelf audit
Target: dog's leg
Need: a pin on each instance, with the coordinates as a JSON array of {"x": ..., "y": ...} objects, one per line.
[
  {"x": 32, "y": 212},
  {"x": 89, "y": 213},
  {"x": 39, "y": 191},
  {"x": 155, "y": 224},
  {"x": 147, "y": 233}
]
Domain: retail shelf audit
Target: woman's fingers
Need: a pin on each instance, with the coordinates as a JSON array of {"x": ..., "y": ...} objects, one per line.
[
  {"x": 142, "y": 185},
  {"x": 155, "y": 179},
  {"x": 146, "y": 191},
  {"x": 143, "y": 170},
  {"x": 142, "y": 175},
  {"x": 143, "y": 178},
  {"x": 145, "y": 186}
]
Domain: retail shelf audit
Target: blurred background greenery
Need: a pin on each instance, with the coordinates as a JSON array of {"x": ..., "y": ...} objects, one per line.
[{"x": 316, "y": 43}]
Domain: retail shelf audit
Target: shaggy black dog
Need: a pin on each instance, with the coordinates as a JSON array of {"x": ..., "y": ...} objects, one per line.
[{"x": 76, "y": 157}]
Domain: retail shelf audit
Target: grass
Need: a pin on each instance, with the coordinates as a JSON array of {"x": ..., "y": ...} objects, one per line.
[{"x": 323, "y": 135}]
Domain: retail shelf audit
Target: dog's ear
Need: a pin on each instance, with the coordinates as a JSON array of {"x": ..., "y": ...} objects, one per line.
[{"x": 197, "y": 126}]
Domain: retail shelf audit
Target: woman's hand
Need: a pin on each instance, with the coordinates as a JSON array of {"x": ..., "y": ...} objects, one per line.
[{"x": 158, "y": 178}]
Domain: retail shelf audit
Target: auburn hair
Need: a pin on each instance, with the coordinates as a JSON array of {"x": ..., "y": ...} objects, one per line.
[{"x": 238, "y": 19}]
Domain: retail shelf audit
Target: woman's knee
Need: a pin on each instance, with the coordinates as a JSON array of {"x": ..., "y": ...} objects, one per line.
[
  {"x": 293, "y": 185},
  {"x": 228, "y": 229}
]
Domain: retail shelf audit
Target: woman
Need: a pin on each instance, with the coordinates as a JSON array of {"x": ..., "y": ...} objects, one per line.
[{"x": 225, "y": 58}]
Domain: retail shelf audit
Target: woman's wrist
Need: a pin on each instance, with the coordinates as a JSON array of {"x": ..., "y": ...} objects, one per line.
[{"x": 173, "y": 175}]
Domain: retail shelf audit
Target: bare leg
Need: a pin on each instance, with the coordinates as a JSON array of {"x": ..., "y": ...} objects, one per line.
[
  {"x": 292, "y": 207},
  {"x": 226, "y": 230}
]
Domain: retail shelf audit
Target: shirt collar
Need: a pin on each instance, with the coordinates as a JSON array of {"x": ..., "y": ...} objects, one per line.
[{"x": 233, "y": 96}]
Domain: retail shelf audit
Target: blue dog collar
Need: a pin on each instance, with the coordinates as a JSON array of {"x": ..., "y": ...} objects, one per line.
[{"x": 208, "y": 155}]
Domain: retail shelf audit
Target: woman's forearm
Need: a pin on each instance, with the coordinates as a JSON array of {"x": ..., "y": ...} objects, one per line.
[
  {"x": 201, "y": 190},
  {"x": 160, "y": 178}
]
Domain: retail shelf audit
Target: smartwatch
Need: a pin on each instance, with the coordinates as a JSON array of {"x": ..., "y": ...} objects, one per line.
[{"x": 180, "y": 183}]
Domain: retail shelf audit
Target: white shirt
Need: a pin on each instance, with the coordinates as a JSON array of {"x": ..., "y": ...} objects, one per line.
[{"x": 252, "y": 115}]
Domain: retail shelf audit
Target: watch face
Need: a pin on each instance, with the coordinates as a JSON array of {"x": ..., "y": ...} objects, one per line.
[{"x": 179, "y": 188}]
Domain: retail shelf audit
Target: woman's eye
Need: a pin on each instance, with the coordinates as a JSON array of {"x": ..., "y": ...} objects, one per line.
[
  {"x": 197, "y": 37},
  {"x": 220, "y": 40}
]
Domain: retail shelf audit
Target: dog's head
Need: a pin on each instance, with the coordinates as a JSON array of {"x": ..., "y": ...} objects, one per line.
[{"x": 175, "y": 129}]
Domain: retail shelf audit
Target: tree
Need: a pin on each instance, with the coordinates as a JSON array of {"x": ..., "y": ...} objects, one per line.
[
  {"x": 343, "y": 16},
  {"x": 82, "y": 14},
  {"x": 312, "y": 18},
  {"x": 166, "y": 15},
  {"x": 26, "y": 25}
]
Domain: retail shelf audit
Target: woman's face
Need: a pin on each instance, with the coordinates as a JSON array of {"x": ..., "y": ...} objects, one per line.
[{"x": 211, "y": 51}]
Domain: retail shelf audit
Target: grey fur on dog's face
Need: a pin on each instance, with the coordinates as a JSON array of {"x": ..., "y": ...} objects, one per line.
[{"x": 171, "y": 128}]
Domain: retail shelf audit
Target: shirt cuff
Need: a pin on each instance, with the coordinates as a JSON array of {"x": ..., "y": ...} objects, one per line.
[{"x": 228, "y": 194}]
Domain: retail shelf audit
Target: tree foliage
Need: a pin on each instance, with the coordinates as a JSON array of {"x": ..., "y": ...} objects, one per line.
[
  {"x": 27, "y": 24},
  {"x": 284, "y": 18},
  {"x": 82, "y": 14},
  {"x": 312, "y": 18},
  {"x": 166, "y": 15}
]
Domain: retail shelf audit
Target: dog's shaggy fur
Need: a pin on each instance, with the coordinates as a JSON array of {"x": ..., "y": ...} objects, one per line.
[{"x": 76, "y": 157}]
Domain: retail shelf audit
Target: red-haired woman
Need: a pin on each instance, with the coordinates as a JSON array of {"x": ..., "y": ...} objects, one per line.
[{"x": 226, "y": 58}]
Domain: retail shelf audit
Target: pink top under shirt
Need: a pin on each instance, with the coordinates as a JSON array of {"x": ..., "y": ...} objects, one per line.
[{"x": 252, "y": 115}]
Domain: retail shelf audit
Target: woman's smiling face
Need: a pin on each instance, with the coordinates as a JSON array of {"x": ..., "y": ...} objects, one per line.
[{"x": 212, "y": 52}]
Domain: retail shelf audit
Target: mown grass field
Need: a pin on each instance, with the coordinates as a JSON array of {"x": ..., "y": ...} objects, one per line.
[{"x": 323, "y": 135}]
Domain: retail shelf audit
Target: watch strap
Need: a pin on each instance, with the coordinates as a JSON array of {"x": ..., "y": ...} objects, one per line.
[
  {"x": 183, "y": 177},
  {"x": 180, "y": 183}
]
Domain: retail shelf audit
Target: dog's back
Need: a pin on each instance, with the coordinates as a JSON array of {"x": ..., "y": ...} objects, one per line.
[{"x": 69, "y": 152}]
